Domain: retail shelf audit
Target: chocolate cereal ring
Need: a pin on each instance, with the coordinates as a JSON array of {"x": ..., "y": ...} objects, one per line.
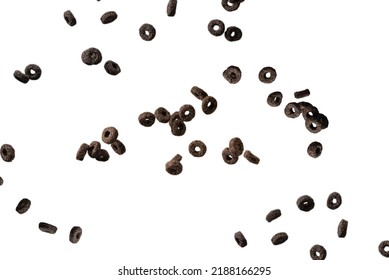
[
  {"x": 109, "y": 135},
  {"x": 273, "y": 214},
  {"x": 318, "y": 252},
  {"x": 313, "y": 125},
  {"x": 381, "y": 248},
  {"x": 308, "y": 111},
  {"x": 187, "y": 112},
  {"x": 267, "y": 75},
  {"x": 279, "y": 238},
  {"x": 229, "y": 156},
  {"x": 216, "y": 27},
  {"x": 108, "y": 17},
  {"x": 198, "y": 93},
  {"x": 118, "y": 147},
  {"x": 91, "y": 56},
  {"x": 342, "y": 228},
  {"x": 173, "y": 117},
  {"x": 197, "y": 148},
  {"x": 314, "y": 149},
  {"x": 48, "y": 228},
  {"x": 94, "y": 149},
  {"x": 162, "y": 115},
  {"x": 334, "y": 200},
  {"x": 240, "y": 239},
  {"x": 7, "y": 153},
  {"x": 292, "y": 110},
  {"x": 82, "y": 151},
  {"x": 112, "y": 68},
  {"x": 33, "y": 71},
  {"x": 230, "y": 6},
  {"x": 178, "y": 127},
  {"x": 251, "y": 157},
  {"x": 23, "y": 206},
  {"x": 146, "y": 119},
  {"x": 147, "y": 32},
  {"x": 305, "y": 203},
  {"x": 302, "y": 93},
  {"x": 274, "y": 99},
  {"x": 171, "y": 8},
  {"x": 232, "y": 74},
  {"x": 233, "y": 34},
  {"x": 103, "y": 155},
  {"x": 75, "y": 234},
  {"x": 236, "y": 146},
  {"x": 209, "y": 105},
  {"x": 174, "y": 166},
  {"x": 21, "y": 77},
  {"x": 69, "y": 18}
]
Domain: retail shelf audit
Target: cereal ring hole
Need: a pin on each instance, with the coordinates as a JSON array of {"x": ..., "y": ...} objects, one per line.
[
  {"x": 386, "y": 248},
  {"x": 268, "y": 75},
  {"x": 313, "y": 126},
  {"x": 5, "y": 153},
  {"x": 318, "y": 254},
  {"x": 106, "y": 134}
]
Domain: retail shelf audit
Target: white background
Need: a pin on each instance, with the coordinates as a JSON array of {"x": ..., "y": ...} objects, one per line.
[{"x": 135, "y": 214}]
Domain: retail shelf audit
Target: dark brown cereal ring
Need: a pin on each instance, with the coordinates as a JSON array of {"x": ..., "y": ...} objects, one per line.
[
  {"x": 308, "y": 111},
  {"x": 162, "y": 115},
  {"x": 236, "y": 146},
  {"x": 229, "y": 156},
  {"x": 318, "y": 252},
  {"x": 251, "y": 157},
  {"x": 233, "y": 34},
  {"x": 108, "y": 17},
  {"x": 342, "y": 228},
  {"x": 197, "y": 148},
  {"x": 21, "y": 77},
  {"x": 383, "y": 248},
  {"x": 75, "y": 234},
  {"x": 267, "y": 75},
  {"x": 292, "y": 110},
  {"x": 82, "y": 151},
  {"x": 273, "y": 214},
  {"x": 7, "y": 152},
  {"x": 216, "y": 27},
  {"x": 45, "y": 227},
  {"x": 178, "y": 127},
  {"x": 171, "y": 8},
  {"x": 240, "y": 239},
  {"x": 23, "y": 206},
  {"x": 323, "y": 120},
  {"x": 91, "y": 56},
  {"x": 112, "y": 68},
  {"x": 94, "y": 149},
  {"x": 209, "y": 105},
  {"x": 69, "y": 18},
  {"x": 118, "y": 147},
  {"x": 174, "y": 166},
  {"x": 187, "y": 112},
  {"x": 109, "y": 135},
  {"x": 147, "y": 32},
  {"x": 230, "y": 6},
  {"x": 33, "y": 71},
  {"x": 146, "y": 119},
  {"x": 274, "y": 99},
  {"x": 232, "y": 74},
  {"x": 302, "y": 93},
  {"x": 103, "y": 155},
  {"x": 198, "y": 93},
  {"x": 174, "y": 117},
  {"x": 334, "y": 200},
  {"x": 279, "y": 238},
  {"x": 305, "y": 203},
  {"x": 314, "y": 149},
  {"x": 313, "y": 125}
]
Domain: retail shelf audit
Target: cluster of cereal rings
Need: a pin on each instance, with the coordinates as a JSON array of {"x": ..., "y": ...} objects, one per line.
[{"x": 305, "y": 203}]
